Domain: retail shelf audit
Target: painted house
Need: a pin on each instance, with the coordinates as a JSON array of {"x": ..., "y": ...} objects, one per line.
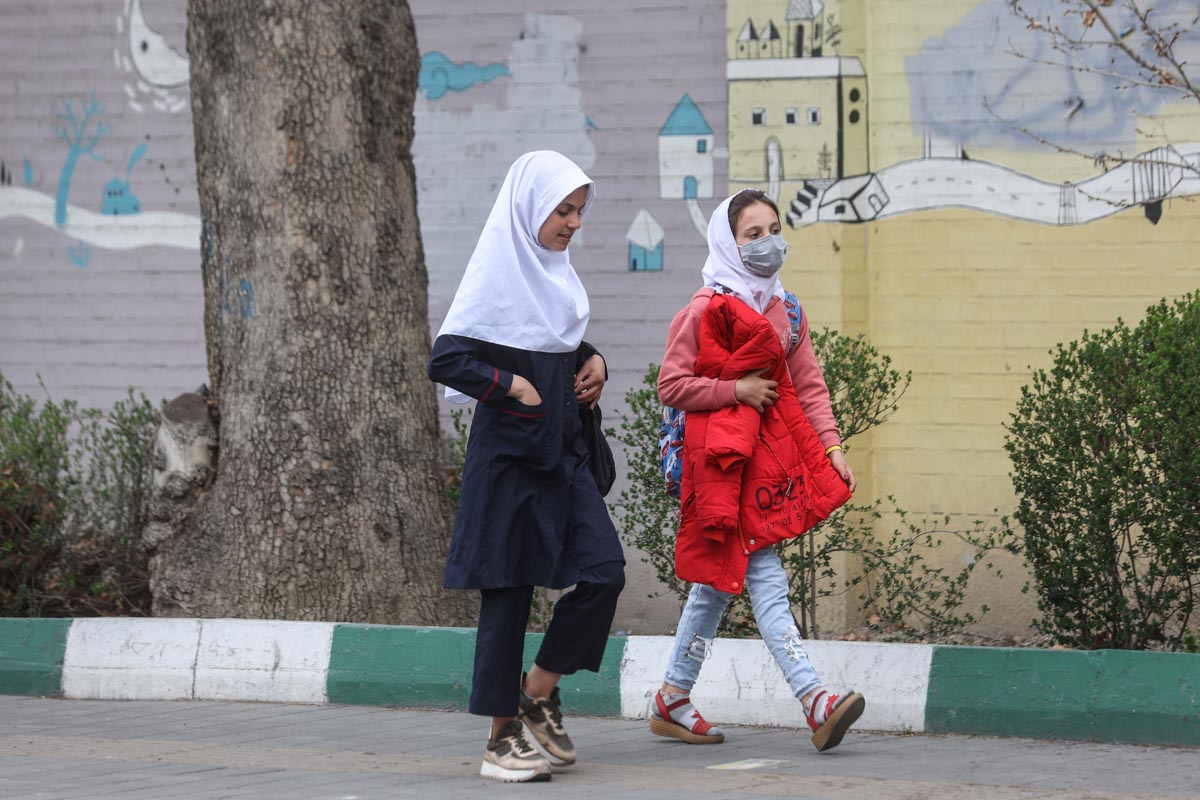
[
  {"x": 645, "y": 237},
  {"x": 794, "y": 114},
  {"x": 685, "y": 153}
]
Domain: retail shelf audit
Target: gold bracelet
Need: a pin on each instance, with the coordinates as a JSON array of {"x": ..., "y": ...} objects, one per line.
[{"x": 833, "y": 448}]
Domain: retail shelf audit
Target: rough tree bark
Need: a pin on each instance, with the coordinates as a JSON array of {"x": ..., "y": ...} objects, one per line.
[{"x": 329, "y": 496}]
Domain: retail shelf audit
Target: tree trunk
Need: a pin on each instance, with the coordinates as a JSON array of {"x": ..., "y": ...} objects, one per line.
[{"x": 329, "y": 498}]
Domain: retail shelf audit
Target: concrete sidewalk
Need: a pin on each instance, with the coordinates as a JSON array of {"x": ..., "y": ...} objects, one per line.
[
  {"x": 200, "y": 750},
  {"x": 1111, "y": 696}
]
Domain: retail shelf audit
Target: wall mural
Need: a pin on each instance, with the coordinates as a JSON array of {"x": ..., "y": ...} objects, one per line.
[
  {"x": 155, "y": 71},
  {"x": 462, "y": 152},
  {"x": 798, "y": 126},
  {"x": 155, "y": 79}
]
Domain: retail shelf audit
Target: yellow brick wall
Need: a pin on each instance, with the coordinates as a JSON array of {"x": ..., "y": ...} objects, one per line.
[{"x": 970, "y": 301}]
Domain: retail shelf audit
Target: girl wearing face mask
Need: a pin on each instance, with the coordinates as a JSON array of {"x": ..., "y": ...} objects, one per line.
[
  {"x": 530, "y": 513},
  {"x": 762, "y": 462}
]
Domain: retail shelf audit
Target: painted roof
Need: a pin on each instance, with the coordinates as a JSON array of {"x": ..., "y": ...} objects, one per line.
[
  {"x": 800, "y": 10},
  {"x": 686, "y": 120},
  {"x": 645, "y": 231}
]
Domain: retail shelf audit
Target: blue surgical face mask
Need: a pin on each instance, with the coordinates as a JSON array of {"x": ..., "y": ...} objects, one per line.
[{"x": 764, "y": 257}]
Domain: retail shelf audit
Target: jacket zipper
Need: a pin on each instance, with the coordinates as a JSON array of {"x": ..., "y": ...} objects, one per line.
[{"x": 787, "y": 492}]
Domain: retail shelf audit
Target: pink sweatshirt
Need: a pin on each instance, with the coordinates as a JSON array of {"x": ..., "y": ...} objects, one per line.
[{"x": 678, "y": 386}]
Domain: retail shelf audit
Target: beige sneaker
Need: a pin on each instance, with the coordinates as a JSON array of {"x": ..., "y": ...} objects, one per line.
[
  {"x": 543, "y": 717},
  {"x": 510, "y": 758}
]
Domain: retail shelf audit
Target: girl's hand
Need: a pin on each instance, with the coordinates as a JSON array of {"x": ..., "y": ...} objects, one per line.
[
  {"x": 523, "y": 392},
  {"x": 838, "y": 461},
  {"x": 753, "y": 390},
  {"x": 589, "y": 381}
]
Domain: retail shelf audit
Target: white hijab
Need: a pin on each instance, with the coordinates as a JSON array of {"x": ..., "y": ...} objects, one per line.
[
  {"x": 515, "y": 291},
  {"x": 724, "y": 266}
]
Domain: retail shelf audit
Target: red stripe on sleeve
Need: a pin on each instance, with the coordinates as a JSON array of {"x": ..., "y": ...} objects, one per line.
[{"x": 495, "y": 380}]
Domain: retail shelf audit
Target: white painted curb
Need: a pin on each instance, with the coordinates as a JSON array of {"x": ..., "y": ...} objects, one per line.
[
  {"x": 741, "y": 684},
  {"x": 192, "y": 659},
  {"x": 112, "y": 658},
  {"x": 279, "y": 662}
]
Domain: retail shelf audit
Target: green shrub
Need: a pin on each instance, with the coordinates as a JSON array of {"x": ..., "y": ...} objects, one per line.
[
  {"x": 1107, "y": 474},
  {"x": 895, "y": 586},
  {"x": 649, "y": 519},
  {"x": 74, "y": 491}
]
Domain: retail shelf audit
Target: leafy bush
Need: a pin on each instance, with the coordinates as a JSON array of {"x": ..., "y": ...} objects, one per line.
[
  {"x": 896, "y": 586},
  {"x": 649, "y": 518},
  {"x": 1107, "y": 472},
  {"x": 74, "y": 492}
]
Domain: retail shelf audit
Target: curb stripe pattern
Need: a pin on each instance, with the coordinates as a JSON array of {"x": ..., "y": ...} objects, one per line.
[
  {"x": 31, "y": 655},
  {"x": 1102, "y": 695}
]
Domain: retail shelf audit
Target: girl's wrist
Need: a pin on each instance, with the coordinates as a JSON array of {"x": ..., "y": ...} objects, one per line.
[{"x": 833, "y": 448}]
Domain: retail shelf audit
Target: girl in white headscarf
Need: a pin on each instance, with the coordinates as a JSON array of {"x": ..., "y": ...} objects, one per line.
[
  {"x": 530, "y": 513},
  {"x": 746, "y": 252}
]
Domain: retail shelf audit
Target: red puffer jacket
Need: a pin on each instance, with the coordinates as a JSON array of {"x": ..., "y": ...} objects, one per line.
[{"x": 750, "y": 480}]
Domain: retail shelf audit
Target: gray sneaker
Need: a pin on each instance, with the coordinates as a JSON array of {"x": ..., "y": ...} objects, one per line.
[
  {"x": 511, "y": 758},
  {"x": 544, "y": 720}
]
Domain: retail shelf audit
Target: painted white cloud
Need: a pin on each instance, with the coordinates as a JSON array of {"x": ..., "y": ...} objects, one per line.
[{"x": 971, "y": 67}]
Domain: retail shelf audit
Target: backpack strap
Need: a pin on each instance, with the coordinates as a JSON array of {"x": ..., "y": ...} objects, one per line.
[{"x": 795, "y": 315}]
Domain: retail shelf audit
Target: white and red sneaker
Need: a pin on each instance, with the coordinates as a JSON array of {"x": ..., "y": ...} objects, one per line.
[
  {"x": 675, "y": 716},
  {"x": 831, "y": 715}
]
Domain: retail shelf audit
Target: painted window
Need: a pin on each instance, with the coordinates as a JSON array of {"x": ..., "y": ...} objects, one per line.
[
  {"x": 790, "y": 116},
  {"x": 701, "y": 145},
  {"x": 758, "y": 116},
  {"x": 814, "y": 116}
]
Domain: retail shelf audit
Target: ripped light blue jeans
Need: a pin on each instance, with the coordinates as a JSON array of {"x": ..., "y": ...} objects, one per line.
[{"x": 767, "y": 583}]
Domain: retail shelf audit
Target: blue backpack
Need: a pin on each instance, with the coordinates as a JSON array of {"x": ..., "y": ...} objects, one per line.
[{"x": 670, "y": 429}]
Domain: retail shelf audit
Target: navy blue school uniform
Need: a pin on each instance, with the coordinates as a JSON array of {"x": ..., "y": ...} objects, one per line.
[{"x": 529, "y": 513}]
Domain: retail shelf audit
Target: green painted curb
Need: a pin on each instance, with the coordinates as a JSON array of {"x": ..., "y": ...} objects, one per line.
[
  {"x": 432, "y": 668},
  {"x": 1098, "y": 695},
  {"x": 31, "y": 655}
]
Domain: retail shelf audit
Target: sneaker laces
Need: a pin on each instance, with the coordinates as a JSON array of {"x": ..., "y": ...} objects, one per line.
[
  {"x": 554, "y": 712},
  {"x": 521, "y": 745}
]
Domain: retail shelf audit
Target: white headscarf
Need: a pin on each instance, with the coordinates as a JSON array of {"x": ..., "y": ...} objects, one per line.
[
  {"x": 515, "y": 291},
  {"x": 724, "y": 266}
]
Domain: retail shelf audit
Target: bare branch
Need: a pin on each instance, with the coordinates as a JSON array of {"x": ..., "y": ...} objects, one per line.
[{"x": 1163, "y": 47}]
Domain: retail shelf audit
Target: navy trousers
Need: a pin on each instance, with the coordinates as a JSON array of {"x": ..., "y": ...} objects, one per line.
[{"x": 574, "y": 640}]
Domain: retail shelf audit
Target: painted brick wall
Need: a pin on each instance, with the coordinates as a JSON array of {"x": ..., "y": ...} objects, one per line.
[{"x": 968, "y": 287}]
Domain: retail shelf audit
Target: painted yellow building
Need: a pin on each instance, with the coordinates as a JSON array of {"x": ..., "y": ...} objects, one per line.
[
  {"x": 796, "y": 117},
  {"x": 966, "y": 269}
]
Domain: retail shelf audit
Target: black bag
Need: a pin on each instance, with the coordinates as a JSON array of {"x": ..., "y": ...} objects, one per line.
[{"x": 600, "y": 457}]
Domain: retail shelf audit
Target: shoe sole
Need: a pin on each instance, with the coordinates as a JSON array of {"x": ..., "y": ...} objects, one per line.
[
  {"x": 829, "y": 735},
  {"x": 673, "y": 730},
  {"x": 495, "y": 772}
]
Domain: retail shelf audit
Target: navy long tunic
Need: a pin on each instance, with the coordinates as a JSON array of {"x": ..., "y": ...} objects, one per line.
[{"x": 529, "y": 513}]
